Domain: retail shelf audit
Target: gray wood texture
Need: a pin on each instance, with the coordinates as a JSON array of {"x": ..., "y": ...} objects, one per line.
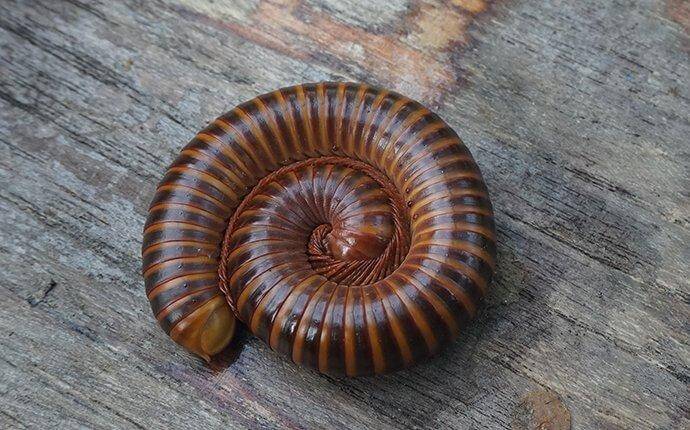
[{"x": 576, "y": 111}]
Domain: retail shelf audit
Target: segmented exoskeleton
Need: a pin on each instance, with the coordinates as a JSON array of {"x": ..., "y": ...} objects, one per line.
[{"x": 347, "y": 226}]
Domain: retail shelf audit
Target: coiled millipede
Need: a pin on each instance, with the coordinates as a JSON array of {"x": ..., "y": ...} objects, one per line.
[{"x": 347, "y": 226}]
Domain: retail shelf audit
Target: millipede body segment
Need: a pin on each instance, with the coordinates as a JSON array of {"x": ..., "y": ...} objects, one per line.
[{"x": 347, "y": 226}]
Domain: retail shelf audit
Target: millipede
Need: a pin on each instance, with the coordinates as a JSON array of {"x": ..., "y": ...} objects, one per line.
[{"x": 346, "y": 226}]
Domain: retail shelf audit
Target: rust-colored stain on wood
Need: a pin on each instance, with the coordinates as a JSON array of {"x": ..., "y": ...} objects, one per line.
[
  {"x": 541, "y": 409},
  {"x": 411, "y": 55},
  {"x": 679, "y": 11}
]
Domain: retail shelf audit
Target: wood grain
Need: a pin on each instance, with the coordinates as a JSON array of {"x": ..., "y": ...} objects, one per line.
[{"x": 576, "y": 112}]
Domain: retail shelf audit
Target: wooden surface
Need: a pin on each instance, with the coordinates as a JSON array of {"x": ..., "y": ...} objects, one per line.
[{"x": 576, "y": 111}]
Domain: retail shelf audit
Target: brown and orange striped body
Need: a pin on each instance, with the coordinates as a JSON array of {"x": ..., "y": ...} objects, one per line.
[{"x": 347, "y": 226}]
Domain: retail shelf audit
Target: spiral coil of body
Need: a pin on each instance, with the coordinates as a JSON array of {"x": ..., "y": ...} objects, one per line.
[{"x": 346, "y": 226}]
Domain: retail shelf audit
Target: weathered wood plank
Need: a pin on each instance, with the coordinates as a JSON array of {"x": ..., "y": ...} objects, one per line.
[{"x": 577, "y": 113}]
